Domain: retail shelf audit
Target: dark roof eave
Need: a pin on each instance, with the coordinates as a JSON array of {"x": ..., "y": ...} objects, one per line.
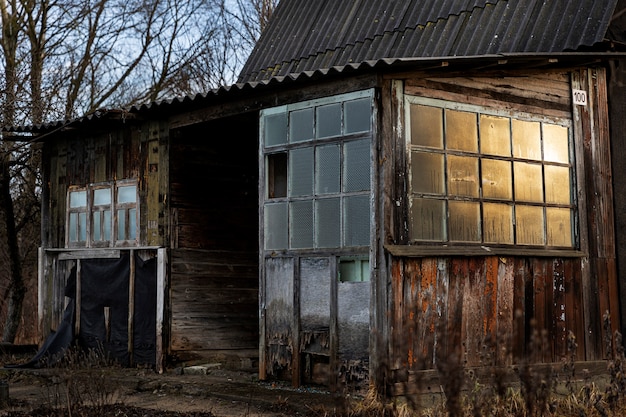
[{"x": 385, "y": 65}]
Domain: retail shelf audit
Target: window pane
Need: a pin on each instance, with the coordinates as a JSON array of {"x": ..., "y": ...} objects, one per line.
[
  {"x": 496, "y": 179},
  {"x": 301, "y": 172},
  {"x": 82, "y": 227},
  {"x": 275, "y": 227},
  {"x": 96, "y": 234},
  {"x": 358, "y": 115},
  {"x": 276, "y": 129},
  {"x": 301, "y": 125},
  {"x": 428, "y": 219},
  {"x": 78, "y": 199},
  {"x": 277, "y": 175},
  {"x": 356, "y": 221},
  {"x": 328, "y": 169},
  {"x": 107, "y": 224},
  {"x": 132, "y": 224},
  {"x": 127, "y": 194},
  {"x": 495, "y": 135},
  {"x": 529, "y": 224},
  {"x": 426, "y": 126},
  {"x": 328, "y": 219},
  {"x": 354, "y": 270},
  {"x": 557, "y": 184},
  {"x": 427, "y": 173},
  {"x": 356, "y": 165},
  {"x": 121, "y": 225},
  {"x": 555, "y": 144},
  {"x": 73, "y": 227},
  {"x": 464, "y": 220},
  {"x": 328, "y": 120},
  {"x": 301, "y": 216},
  {"x": 461, "y": 131},
  {"x": 559, "y": 221},
  {"x": 102, "y": 196},
  {"x": 462, "y": 176},
  {"x": 528, "y": 182},
  {"x": 497, "y": 223},
  {"x": 526, "y": 139}
]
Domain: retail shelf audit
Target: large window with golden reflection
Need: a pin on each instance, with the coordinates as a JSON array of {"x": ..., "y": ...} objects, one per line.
[{"x": 489, "y": 177}]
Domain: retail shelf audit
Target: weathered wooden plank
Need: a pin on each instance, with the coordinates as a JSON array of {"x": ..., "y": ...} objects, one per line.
[
  {"x": 519, "y": 339},
  {"x": 505, "y": 311},
  {"x": 473, "y": 312},
  {"x": 559, "y": 317}
]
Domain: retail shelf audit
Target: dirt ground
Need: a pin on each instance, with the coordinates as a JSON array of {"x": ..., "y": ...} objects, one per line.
[{"x": 219, "y": 392}]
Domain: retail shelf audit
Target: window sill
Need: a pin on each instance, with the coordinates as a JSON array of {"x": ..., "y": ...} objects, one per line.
[{"x": 417, "y": 251}]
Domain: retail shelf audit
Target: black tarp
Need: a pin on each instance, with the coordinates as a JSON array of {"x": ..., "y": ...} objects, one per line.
[{"x": 104, "y": 285}]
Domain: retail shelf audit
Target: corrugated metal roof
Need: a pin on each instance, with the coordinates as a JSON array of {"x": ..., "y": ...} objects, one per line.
[{"x": 307, "y": 35}]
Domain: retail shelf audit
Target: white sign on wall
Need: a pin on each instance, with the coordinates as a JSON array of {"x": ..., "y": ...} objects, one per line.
[{"x": 579, "y": 97}]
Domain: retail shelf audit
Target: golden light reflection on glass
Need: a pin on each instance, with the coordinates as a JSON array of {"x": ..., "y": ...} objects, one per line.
[
  {"x": 497, "y": 223},
  {"x": 528, "y": 182},
  {"x": 529, "y": 225},
  {"x": 463, "y": 176},
  {"x": 555, "y": 143},
  {"x": 426, "y": 126},
  {"x": 461, "y": 131},
  {"x": 557, "y": 184},
  {"x": 495, "y": 135},
  {"x": 428, "y": 219},
  {"x": 427, "y": 173},
  {"x": 464, "y": 221},
  {"x": 559, "y": 222},
  {"x": 526, "y": 139},
  {"x": 496, "y": 179}
]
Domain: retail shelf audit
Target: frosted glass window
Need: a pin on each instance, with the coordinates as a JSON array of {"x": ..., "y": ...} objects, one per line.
[
  {"x": 102, "y": 196},
  {"x": 427, "y": 173},
  {"x": 428, "y": 219},
  {"x": 121, "y": 225},
  {"x": 132, "y": 224},
  {"x": 97, "y": 227},
  {"x": 427, "y": 126},
  {"x": 496, "y": 179},
  {"x": 464, "y": 223},
  {"x": 78, "y": 199},
  {"x": 82, "y": 227},
  {"x": 528, "y": 182},
  {"x": 275, "y": 129},
  {"x": 559, "y": 221},
  {"x": 529, "y": 223},
  {"x": 497, "y": 223},
  {"x": 106, "y": 226},
  {"x": 328, "y": 228},
  {"x": 358, "y": 116},
  {"x": 127, "y": 194},
  {"x": 329, "y": 120},
  {"x": 357, "y": 221},
  {"x": 557, "y": 184},
  {"x": 73, "y": 227},
  {"x": 275, "y": 227},
  {"x": 356, "y": 165},
  {"x": 463, "y": 178},
  {"x": 555, "y": 143},
  {"x": 328, "y": 169},
  {"x": 301, "y": 125},
  {"x": 461, "y": 131},
  {"x": 301, "y": 217},
  {"x": 495, "y": 135},
  {"x": 526, "y": 139},
  {"x": 301, "y": 172}
]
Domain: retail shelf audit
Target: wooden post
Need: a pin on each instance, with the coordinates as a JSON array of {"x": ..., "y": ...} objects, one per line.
[
  {"x": 131, "y": 307},
  {"x": 295, "y": 325},
  {"x": 334, "y": 327},
  {"x": 160, "y": 307},
  {"x": 78, "y": 292},
  {"x": 41, "y": 291}
]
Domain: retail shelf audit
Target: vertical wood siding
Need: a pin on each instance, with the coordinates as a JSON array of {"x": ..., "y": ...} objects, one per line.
[{"x": 489, "y": 310}]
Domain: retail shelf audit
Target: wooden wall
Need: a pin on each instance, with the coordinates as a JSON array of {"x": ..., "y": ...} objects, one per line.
[{"x": 214, "y": 255}]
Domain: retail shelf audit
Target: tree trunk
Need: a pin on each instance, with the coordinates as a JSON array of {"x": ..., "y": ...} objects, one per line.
[{"x": 16, "y": 286}]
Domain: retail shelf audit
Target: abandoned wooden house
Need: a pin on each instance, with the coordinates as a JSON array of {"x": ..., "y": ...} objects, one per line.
[{"x": 389, "y": 184}]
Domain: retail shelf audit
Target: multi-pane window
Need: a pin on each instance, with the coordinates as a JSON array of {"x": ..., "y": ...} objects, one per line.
[
  {"x": 101, "y": 215},
  {"x": 488, "y": 177},
  {"x": 317, "y": 169}
]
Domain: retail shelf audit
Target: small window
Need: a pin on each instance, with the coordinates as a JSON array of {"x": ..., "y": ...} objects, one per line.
[
  {"x": 77, "y": 216},
  {"x": 126, "y": 206},
  {"x": 354, "y": 269}
]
